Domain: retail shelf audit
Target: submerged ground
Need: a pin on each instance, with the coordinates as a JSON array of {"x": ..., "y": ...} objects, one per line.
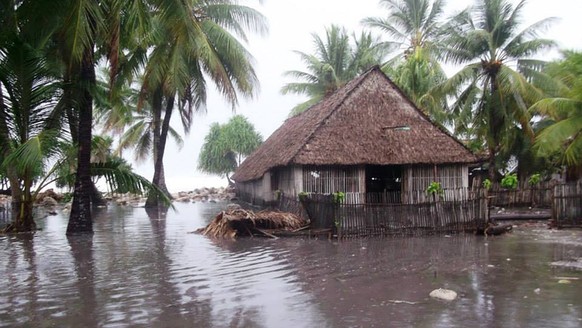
[{"x": 146, "y": 270}]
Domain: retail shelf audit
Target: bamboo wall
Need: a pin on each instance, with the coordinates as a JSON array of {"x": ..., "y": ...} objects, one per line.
[
  {"x": 330, "y": 179},
  {"x": 256, "y": 192},
  {"x": 417, "y": 178}
]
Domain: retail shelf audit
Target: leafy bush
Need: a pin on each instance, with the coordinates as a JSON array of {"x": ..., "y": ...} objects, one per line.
[
  {"x": 434, "y": 188},
  {"x": 487, "y": 184},
  {"x": 338, "y": 197},
  {"x": 509, "y": 181},
  {"x": 534, "y": 179}
]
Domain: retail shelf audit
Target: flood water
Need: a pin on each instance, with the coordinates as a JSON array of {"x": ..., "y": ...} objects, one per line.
[{"x": 148, "y": 271}]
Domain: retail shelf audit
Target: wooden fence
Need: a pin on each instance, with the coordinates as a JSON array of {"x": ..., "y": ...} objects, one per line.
[
  {"x": 567, "y": 205},
  {"x": 526, "y": 195},
  {"x": 451, "y": 212},
  {"x": 363, "y": 220}
]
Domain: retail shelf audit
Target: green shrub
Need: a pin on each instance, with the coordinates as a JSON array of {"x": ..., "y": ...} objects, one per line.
[
  {"x": 338, "y": 197},
  {"x": 434, "y": 188},
  {"x": 487, "y": 184},
  {"x": 534, "y": 179},
  {"x": 509, "y": 181}
]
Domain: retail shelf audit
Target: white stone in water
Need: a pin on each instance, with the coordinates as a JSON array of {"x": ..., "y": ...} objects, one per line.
[{"x": 443, "y": 294}]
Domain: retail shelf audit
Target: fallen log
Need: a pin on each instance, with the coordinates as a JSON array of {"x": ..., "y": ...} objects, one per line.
[
  {"x": 495, "y": 230},
  {"x": 521, "y": 216}
]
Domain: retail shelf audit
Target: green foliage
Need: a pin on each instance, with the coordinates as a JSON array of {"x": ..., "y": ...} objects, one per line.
[
  {"x": 67, "y": 197},
  {"x": 225, "y": 146},
  {"x": 114, "y": 170},
  {"x": 338, "y": 197},
  {"x": 509, "y": 181},
  {"x": 487, "y": 184},
  {"x": 303, "y": 195},
  {"x": 534, "y": 179},
  {"x": 335, "y": 62},
  {"x": 434, "y": 188},
  {"x": 563, "y": 112}
]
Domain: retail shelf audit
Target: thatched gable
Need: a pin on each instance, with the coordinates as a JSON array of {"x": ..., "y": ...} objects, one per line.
[{"x": 368, "y": 121}]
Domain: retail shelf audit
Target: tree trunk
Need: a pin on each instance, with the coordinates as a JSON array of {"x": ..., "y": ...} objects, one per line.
[
  {"x": 159, "y": 179},
  {"x": 72, "y": 116},
  {"x": 22, "y": 208},
  {"x": 80, "y": 219},
  {"x": 495, "y": 125},
  {"x": 491, "y": 170}
]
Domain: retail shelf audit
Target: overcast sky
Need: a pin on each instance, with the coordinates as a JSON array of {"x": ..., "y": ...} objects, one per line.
[{"x": 291, "y": 24}]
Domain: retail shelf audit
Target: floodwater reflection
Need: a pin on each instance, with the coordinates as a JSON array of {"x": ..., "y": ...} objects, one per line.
[{"x": 143, "y": 268}]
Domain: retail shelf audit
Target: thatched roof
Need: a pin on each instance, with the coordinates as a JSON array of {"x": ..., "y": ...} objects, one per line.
[
  {"x": 239, "y": 222},
  {"x": 368, "y": 121}
]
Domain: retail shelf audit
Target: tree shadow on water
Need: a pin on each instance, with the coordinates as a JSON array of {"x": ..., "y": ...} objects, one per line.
[
  {"x": 177, "y": 307},
  {"x": 83, "y": 312}
]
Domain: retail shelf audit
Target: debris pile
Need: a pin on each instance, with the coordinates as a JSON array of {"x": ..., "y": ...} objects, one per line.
[{"x": 239, "y": 222}]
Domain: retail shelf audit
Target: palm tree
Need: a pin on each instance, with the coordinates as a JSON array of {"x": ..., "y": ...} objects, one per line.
[
  {"x": 414, "y": 27},
  {"x": 84, "y": 32},
  {"x": 494, "y": 89},
  {"x": 334, "y": 63},
  {"x": 29, "y": 127},
  {"x": 185, "y": 50},
  {"x": 564, "y": 112}
]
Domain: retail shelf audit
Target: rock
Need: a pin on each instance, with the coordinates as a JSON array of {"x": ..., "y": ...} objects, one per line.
[
  {"x": 49, "y": 202},
  {"x": 232, "y": 207},
  {"x": 48, "y": 193},
  {"x": 443, "y": 294}
]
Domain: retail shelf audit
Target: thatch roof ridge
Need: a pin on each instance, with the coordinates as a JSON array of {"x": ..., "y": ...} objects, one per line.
[
  {"x": 425, "y": 115},
  {"x": 349, "y": 87}
]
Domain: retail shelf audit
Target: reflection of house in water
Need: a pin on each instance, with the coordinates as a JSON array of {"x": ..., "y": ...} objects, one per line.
[{"x": 366, "y": 139}]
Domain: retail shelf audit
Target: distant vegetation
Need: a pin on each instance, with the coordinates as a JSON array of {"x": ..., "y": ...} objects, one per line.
[{"x": 226, "y": 146}]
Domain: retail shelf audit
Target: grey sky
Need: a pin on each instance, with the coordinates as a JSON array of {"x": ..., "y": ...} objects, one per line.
[{"x": 290, "y": 26}]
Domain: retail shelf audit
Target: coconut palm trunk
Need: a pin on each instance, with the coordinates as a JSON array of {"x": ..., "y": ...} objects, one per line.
[
  {"x": 161, "y": 128},
  {"x": 80, "y": 218}
]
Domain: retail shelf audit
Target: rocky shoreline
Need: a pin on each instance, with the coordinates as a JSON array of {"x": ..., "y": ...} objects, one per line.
[{"x": 51, "y": 200}]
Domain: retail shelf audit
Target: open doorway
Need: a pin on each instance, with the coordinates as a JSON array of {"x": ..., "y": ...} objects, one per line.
[{"x": 383, "y": 183}]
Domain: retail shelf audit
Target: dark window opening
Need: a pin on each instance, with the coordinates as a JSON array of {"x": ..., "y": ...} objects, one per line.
[{"x": 383, "y": 183}]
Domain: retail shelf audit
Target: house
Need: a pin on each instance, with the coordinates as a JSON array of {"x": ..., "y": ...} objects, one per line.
[{"x": 366, "y": 138}]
